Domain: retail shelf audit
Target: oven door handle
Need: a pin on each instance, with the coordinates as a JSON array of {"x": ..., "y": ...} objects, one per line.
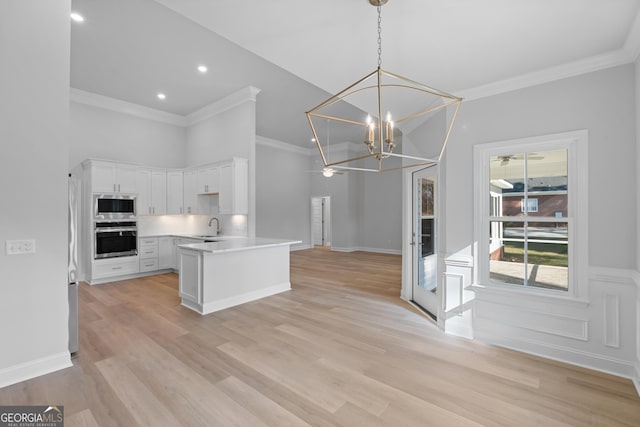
[{"x": 114, "y": 230}]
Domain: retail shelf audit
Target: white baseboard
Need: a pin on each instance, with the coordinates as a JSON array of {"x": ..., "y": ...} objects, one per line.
[
  {"x": 34, "y": 368},
  {"x": 365, "y": 249},
  {"x": 636, "y": 377},
  {"x": 211, "y": 307},
  {"x": 572, "y": 356},
  {"x": 300, "y": 247},
  {"x": 130, "y": 276}
]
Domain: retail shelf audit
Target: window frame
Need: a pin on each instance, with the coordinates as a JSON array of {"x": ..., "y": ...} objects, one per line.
[{"x": 576, "y": 143}]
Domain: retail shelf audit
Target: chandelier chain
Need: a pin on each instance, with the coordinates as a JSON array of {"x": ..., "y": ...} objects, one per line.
[{"x": 379, "y": 37}]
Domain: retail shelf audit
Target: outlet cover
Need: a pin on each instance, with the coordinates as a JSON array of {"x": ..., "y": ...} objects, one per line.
[{"x": 20, "y": 247}]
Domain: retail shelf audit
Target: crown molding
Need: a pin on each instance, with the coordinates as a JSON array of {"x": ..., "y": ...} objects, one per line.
[
  {"x": 632, "y": 45},
  {"x": 93, "y": 99},
  {"x": 279, "y": 145},
  {"x": 629, "y": 53},
  {"x": 572, "y": 69},
  {"x": 233, "y": 100}
]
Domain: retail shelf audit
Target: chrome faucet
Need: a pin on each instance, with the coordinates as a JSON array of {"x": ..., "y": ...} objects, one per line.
[{"x": 217, "y": 224}]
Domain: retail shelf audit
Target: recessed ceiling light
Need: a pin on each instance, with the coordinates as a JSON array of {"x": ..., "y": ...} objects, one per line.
[
  {"x": 202, "y": 68},
  {"x": 77, "y": 17},
  {"x": 161, "y": 95}
]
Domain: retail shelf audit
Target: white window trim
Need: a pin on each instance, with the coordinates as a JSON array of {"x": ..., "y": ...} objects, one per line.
[{"x": 578, "y": 222}]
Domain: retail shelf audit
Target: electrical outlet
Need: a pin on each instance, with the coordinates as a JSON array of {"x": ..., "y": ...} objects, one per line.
[{"x": 19, "y": 247}]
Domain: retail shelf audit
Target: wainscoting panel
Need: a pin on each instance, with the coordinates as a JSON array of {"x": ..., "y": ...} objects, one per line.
[
  {"x": 600, "y": 333},
  {"x": 547, "y": 323},
  {"x": 612, "y": 320}
]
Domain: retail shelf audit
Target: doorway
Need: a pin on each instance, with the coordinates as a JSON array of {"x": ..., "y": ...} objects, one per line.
[
  {"x": 425, "y": 242},
  {"x": 321, "y": 221}
]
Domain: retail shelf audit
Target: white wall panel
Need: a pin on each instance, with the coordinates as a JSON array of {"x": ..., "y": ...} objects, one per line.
[{"x": 34, "y": 166}]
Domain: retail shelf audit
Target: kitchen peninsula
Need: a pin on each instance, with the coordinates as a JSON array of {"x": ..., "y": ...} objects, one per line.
[{"x": 232, "y": 271}]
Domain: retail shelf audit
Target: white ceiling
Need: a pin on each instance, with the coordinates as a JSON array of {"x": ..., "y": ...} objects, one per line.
[{"x": 299, "y": 51}]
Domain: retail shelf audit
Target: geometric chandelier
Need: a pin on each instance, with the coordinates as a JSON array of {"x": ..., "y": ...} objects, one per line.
[{"x": 383, "y": 121}]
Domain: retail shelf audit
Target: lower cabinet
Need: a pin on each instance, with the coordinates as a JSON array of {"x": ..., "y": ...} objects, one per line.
[
  {"x": 166, "y": 258},
  {"x": 148, "y": 254},
  {"x": 155, "y": 253},
  {"x": 111, "y": 267},
  {"x": 181, "y": 241},
  {"x": 191, "y": 279}
]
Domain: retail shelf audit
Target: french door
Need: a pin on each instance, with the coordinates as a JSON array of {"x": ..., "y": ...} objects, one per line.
[{"x": 425, "y": 263}]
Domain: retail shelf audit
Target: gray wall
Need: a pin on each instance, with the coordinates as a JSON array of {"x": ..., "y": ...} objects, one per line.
[
  {"x": 223, "y": 136},
  {"x": 34, "y": 162},
  {"x": 381, "y": 211},
  {"x": 601, "y": 102},
  {"x": 103, "y": 134},
  {"x": 366, "y": 208},
  {"x": 282, "y": 194}
]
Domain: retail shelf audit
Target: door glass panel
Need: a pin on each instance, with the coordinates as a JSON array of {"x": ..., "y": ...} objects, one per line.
[{"x": 427, "y": 263}]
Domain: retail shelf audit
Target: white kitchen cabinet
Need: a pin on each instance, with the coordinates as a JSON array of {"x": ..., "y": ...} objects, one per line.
[
  {"x": 190, "y": 192},
  {"x": 166, "y": 258},
  {"x": 113, "y": 267},
  {"x": 208, "y": 180},
  {"x": 148, "y": 254},
  {"x": 189, "y": 284},
  {"x": 181, "y": 241},
  {"x": 159, "y": 192},
  {"x": 175, "y": 190},
  {"x": 109, "y": 177},
  {"x": 152, "y": 192},
  {"x": 234, "y": 194}
]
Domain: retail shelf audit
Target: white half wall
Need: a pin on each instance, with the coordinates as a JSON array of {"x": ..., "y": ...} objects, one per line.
[{"x": 34, "y": 163}]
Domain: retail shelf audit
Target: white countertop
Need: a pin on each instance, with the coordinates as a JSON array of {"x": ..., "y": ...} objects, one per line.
[{"x": 231, "y": 244}]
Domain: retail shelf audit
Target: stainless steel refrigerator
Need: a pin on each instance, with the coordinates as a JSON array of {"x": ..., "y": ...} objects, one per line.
[{"x": 74, "y": 199}]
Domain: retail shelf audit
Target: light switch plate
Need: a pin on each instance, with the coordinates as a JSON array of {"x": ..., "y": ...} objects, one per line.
[{"x": 19, "y": 247}]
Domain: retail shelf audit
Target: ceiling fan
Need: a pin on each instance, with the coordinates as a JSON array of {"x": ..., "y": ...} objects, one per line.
[
  {"x": 329, "y": 172},
  {"x": 504, "y": 160}
]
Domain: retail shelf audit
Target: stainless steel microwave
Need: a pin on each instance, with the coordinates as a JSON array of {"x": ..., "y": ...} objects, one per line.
[{"x": 110, "y": 206}]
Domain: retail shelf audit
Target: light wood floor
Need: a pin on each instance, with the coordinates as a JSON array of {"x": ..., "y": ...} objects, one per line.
[{"x": 340, "y": 349}]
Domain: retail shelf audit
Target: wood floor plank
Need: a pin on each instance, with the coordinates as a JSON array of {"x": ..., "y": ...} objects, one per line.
[
  {"x": 265, "y": 409},
  {"x": 138, "y": 399},
  {"x": 339, "y": 349}
]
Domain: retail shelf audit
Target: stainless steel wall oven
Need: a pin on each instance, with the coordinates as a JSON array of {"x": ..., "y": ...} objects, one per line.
[{"x": 115, "y": 239}]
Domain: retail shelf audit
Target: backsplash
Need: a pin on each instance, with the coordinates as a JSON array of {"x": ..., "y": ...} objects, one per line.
[{"x": 232, "y": 225}]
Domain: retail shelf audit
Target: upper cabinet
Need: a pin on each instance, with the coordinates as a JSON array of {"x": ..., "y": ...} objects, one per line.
[
  {"x": 108, "y": 177},
  {"x": 175, "y": 202},
  {"x": 234, "y": 194},
  {"x": 190, "y": 193},
  {"x": 208, "y": 179},
  {"x": 176, "y": 192},
  {"x": 152, "y": 192}
]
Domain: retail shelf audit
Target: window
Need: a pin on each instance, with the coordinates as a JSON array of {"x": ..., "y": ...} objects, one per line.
[
  {"x": 529, "y": 205},
  {"x": 526, "y": 225}
]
